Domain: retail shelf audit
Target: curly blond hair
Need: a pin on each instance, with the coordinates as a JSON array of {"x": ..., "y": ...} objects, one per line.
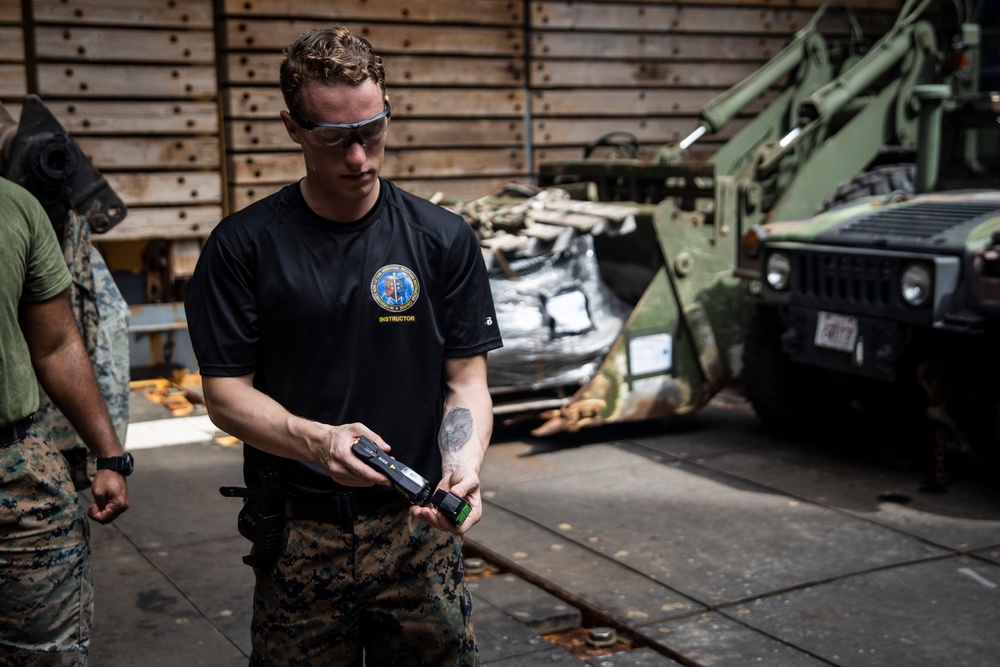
[{"x": 332, "y": 55}]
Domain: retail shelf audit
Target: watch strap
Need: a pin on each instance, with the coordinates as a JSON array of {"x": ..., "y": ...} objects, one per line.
[{"x": 120, "y": 464}]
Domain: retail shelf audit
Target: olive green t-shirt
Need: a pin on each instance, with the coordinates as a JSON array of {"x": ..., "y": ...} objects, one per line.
[{"x": 32, "y": 268}]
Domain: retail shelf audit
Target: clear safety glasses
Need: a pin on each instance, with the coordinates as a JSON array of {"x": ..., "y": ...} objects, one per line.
[{"x": 343, "y": 135}]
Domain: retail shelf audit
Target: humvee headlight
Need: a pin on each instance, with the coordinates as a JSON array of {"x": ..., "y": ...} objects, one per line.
[
  {"x": 778, "y": 271},
  {"x": 916, "y": 284}
]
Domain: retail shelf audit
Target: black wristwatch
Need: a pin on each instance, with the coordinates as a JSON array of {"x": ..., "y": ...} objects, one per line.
[{"x": 123, "y": 464}]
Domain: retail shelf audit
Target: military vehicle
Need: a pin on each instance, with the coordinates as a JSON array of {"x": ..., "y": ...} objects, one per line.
[
  {"x": 838, "y": 101},
  {"x": 884, "y": 311},
  {"x": 665, "y": 263}
]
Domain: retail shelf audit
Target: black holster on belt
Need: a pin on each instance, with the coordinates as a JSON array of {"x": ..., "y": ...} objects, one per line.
[{"x": 262, "y": 518}]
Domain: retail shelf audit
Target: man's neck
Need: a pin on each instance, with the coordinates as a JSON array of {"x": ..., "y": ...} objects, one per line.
[{"x": 340, "y": 210}]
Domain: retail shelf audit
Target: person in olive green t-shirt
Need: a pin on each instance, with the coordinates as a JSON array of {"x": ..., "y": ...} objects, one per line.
[
  {"x": 33, "y": 268},
  {"x": 47, "y": 601}
]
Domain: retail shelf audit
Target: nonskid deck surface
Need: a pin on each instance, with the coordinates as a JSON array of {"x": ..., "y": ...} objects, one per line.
[{"x": 699, "y": 542}]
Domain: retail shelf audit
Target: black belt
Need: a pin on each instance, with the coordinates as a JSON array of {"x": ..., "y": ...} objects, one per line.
[
  {"x": 15, "y": 431},
  {"x": 334, "y": 507}
]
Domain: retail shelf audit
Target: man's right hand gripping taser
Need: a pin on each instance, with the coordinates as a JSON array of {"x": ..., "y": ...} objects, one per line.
[{"x": 409, "y": 484}]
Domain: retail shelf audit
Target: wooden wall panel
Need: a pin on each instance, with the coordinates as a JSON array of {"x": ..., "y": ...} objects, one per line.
[
  {"x": 408, "y": 38},
  {"x": 455, "y": 78},
  {"x": 13, "y": 86},
  {"x": 61, "y": 80},
  {"x": 658, "y": 47},
  {"x": 10, "y": 11},
  {"x": 653, "y": 65},
  {"x": 177, "y": 100},
  {"x": 158, "y": 13},
  {"x": 137, "y": 117},
  {"x": 13, "y": 74},
  {"x": 152, "y": 154},
  {"x": 470, "y": 12},
  {"x": 135, "y": 82},
  {"x": 639, "y": 101},
  {"x": 164, "y": 189},
  {"x": 11, "y": 43},
  {"x": 118, "y": 44},
  {"x": 167, "y": 222},
  {"x": 665, "y": 18},
  {"x": 611, "y": 76}
]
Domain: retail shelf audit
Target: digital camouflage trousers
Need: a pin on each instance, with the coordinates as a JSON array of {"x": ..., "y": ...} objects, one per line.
[
  {"x": 46, "y": 585},
  {"x": 388, "y": 588}
]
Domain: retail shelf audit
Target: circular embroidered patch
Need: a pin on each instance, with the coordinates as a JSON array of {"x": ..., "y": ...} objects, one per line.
[{"x": 395, "y": 287}]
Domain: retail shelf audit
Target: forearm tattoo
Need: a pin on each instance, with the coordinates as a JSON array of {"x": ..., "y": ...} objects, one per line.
[{"x": 455, "y": 430}]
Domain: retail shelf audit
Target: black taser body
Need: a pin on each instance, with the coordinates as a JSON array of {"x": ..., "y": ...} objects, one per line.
[{"x": 412, "y": 486}]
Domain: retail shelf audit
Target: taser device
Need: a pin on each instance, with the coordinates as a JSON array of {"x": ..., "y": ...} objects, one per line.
[{"x": 409, "y": 483}]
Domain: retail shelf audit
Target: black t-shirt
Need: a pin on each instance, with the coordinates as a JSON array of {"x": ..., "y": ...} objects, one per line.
[{"x": 343, "y": 322}]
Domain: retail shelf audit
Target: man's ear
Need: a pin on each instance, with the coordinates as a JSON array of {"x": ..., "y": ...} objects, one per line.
[{"x": 291, "y": 127}]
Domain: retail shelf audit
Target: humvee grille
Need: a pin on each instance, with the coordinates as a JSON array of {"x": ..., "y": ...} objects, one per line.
[{"x": 857, "y": 282}]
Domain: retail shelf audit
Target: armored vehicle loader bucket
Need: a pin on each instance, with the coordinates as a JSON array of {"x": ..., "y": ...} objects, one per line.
[{"x": 681, "y": 342}]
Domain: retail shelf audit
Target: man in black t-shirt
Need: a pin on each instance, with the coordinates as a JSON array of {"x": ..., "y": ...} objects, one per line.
[{"x": 342, "y": 307}]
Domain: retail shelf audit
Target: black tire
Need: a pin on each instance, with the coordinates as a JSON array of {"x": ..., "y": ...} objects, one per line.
[
  {"x": 885, "y": 180},
  {"x": 777, "y": 389}
]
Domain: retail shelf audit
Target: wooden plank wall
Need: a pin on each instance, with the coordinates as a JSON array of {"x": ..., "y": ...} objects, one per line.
[
  {"x": 604, "y": 67},
  {"x": 482, "y": 90},
  {"x": 13, "y": 72},
  {"x": 135, "y": 84},
  {"x": 612, "y": 66},
  {"x": 455, "y": 76}
]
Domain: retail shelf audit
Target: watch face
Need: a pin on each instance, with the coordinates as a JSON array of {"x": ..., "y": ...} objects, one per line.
[{"x": 128, "y": 463}]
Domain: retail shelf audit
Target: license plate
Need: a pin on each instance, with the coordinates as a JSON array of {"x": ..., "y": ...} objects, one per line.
[{"x": 836, "y": 332}]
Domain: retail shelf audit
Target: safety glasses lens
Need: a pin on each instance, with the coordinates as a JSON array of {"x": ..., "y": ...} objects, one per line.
[{"x": 337, "y": 137}]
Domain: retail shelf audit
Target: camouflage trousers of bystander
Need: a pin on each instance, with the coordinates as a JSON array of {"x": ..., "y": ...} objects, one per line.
[{"x": 46, "y": 585}]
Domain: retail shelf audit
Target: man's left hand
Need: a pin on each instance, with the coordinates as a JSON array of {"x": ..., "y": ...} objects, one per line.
[{"x": 464, "y": 484}]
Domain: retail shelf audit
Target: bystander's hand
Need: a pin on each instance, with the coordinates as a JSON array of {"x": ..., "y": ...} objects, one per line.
[{"x": 110, "y": 496}]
